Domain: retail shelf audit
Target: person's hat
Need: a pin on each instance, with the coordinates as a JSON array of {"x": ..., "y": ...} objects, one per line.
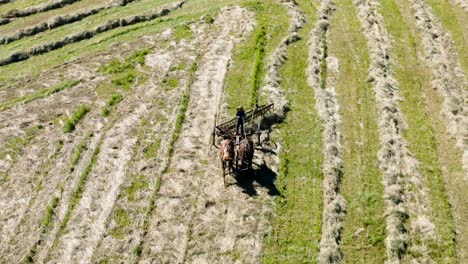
[{"x": 239, "y": 107}]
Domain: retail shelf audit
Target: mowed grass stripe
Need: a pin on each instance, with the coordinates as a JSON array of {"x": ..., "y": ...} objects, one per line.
[
  {"x": 412, "y": 76},
  {"x": 364, "y": 226},
  {"x": 297, "y": 224},
  {"x": 56, "y": 22}
]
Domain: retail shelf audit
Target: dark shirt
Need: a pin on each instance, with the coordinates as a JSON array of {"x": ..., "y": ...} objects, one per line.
[{"x": 240, "y": 115}]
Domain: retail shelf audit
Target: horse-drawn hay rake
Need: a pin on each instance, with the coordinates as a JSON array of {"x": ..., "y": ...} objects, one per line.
[{"x": 242, "y": 146}]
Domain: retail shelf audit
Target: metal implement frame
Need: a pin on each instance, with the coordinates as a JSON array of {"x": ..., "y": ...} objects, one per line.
[{"x": 229, "y": 127}]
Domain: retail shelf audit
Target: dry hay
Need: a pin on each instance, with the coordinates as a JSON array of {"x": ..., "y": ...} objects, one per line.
[
  {"x": 334, "y": 205},
  {"x": 447, "y": 77},
  {"x": 405, "y": 190},
  {"x": 202, "y": 224},
  {"x": 160, "y": 61}
]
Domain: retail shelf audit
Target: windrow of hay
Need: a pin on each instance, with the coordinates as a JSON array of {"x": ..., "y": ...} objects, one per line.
[
  {"x": 447, "y": 75},
  {"x": 111, "y": 24},
  {"x": 58, "y": 21},
  {"x": 48, "y": 25},
  {"x": 15, "y": 13},
  {"x": 272, "y": 89},
  {"x": 405, "y": 190},
  {"x": 334, "y": 205}
]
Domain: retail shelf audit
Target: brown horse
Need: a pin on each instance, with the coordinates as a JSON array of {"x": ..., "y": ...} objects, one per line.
[
  {"x": 246, "y": 152},
  {"x": 226, "y": 153}
]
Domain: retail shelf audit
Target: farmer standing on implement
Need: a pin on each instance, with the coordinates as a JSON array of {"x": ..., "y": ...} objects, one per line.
[{"x": 240, "y": 120}]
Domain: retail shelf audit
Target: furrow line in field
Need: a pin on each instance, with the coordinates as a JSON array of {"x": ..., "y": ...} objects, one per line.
[
  {"x": 327, "y": 106},
  {"x": 272, "y": 88},
  {"x": 447, "y": 77},
  {"x": 56, "y": 22},
  {"x": 405, "y": 188},
  {"x": 111, "y": 24},
  {"x": 184, "y": 189},
  {"x": 37, "y": 95}
]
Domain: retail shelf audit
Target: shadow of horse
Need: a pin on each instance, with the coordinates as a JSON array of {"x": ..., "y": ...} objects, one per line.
[{"x": 262, "y": 175}]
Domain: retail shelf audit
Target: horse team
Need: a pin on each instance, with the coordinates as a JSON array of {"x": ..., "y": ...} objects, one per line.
[{"x": 242, "y": 156}]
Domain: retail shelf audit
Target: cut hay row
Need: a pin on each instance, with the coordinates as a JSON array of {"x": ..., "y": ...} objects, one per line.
[
  {"x": 405, "y": 189},
  {"x": 180, "y": 215},
  {"x": 51, "y": 24},
  {"x": 272, "y": 88},
  {"x": 12, "y": 147},
  {"x": 111, "y": 24},
  {"x": 447, "y": 77},
  {"x": 56, "y": 22},
  {"x": 14, "y": 14},
  {"x": 99, "y": 185},
  {"x": 334, "y": 205},
  {"x": 363, "y": 235},
  {"x": 276, "y": 94},
  {"x": 145, "y": 168}
]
